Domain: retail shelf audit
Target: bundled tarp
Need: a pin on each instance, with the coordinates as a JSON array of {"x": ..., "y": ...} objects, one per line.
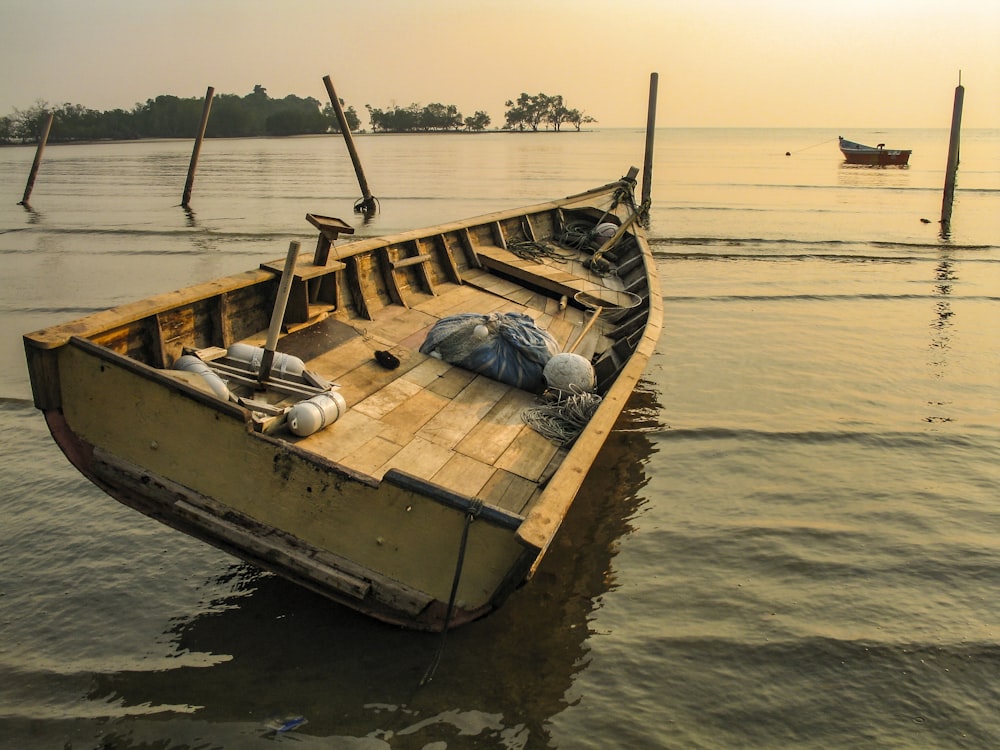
[{"x": 508, "y": 347}]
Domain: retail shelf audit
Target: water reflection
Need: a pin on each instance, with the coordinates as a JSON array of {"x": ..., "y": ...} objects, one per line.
[
  {"x": 941, "y": 330},
  {"x": 280, "y": 652},
  {"x": 863, "y": 175},
  {"x": 33, "y": 216}
]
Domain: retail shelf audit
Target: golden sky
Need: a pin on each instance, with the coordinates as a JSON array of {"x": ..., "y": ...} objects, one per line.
[{"x": 721, "y": 63}]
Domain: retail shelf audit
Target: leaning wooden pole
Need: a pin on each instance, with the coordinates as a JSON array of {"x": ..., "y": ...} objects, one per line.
[
  {"x": 186, "y": 200},
  {"x": 278, "y": 313},
  {"x": 647, "y": 167},
  {"x": 43, "y": 139},
  {"x": 367, "y": 204},
  {"x": 952, "y": 170}
]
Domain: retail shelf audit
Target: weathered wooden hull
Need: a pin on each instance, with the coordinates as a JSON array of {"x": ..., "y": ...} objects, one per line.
[
  {"x": 429, "y": 501},
  {"x": 874, "y": 156}
]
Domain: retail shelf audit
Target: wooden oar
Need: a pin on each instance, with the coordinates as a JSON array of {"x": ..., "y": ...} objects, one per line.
[{"x": 586, "y": 329}]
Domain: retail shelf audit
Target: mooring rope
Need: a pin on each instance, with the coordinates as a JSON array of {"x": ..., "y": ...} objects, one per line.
[
  {"x": 475, "y": 508},
  {"x": 799, "y": 151}
]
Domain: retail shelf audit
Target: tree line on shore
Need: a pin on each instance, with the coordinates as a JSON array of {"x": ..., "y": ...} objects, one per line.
[{"x": 257, "y": 114}]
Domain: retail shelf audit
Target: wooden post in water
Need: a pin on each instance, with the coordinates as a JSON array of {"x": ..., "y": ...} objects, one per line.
[
  {"x": 952, "y": 170},
  {"x": 367, "y": 204},
  {"x": 186, "y": 199},
  {"x": 647, "y": 167},
  {"x": 38, "y": 160}
]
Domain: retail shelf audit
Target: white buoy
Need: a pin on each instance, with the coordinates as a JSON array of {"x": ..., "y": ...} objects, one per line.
[
  {"x": 313, "y": 414},
  {"x": 604, "y": 232},
  {"x": 283, "y": 364},
  {"x": 567, "y": 372},
  {"x": 191, "y": 363}
]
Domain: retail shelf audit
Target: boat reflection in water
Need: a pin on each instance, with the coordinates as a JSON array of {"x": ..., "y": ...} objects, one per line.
[{"x": 276, "y": 652}]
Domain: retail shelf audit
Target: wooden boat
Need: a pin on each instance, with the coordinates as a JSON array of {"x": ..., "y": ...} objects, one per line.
[
  {"x": 876, "y": 156},
  {"x": 419, "y": 495}
]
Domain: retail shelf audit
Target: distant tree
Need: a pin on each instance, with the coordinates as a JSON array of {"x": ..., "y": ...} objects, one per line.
[
  {"x": 479, "y": 121},
  {"x": 168, "y": 116},
  {"x": 576, "y": 118},
  {"x": 333, "y": 125},
  {"x": 532, "y": 110},
  {"x": 440, "y": 117},
  {"x": 28, "y": 124},
  {"x": 232, "y": 116},
  {"x": 434, "y": 116}
]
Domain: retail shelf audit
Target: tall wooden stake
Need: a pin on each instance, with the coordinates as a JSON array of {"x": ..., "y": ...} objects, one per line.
[
  {"x": 367, "y": 204},
  {"x": 647, "y": 168},
  {"x": 38, "y": 160},
  {"x": 186, "y": 200},
  {"x": 952, "y": 170}
]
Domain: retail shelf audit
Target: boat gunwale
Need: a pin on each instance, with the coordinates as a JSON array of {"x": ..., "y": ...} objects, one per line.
[{"x": 550, "y": 508}]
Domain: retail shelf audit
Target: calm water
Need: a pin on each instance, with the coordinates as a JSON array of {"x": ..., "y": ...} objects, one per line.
[{"x": 792, "y": 539}]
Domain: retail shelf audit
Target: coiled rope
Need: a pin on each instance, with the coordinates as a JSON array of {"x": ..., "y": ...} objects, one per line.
[
  {"x": 537, "y": 251},
  {"x": 563, "y": 420}
]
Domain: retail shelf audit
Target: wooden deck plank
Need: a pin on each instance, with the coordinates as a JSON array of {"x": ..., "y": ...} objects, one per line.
[
  {"x": 393, "y": 330},
  {"x": 344, "y": 436},
  {"x": 488, "y": 440},
  {"x": 416, "y": 411},
  {"x": 372, "y": 455},
  {"x": 384, "y": 400},
  {"x": 464, "y": 412},
  {"x": 369, "y": 376},
  {"x": 562, "y": 331},
  {"x": 448, "y": 296},
  {"x": 340, "y": 360},
  {"x": 508, "y": 491},
  {"x": 451, "y": 382},
  {"x": 429, "y": 370},
  {"x": 464, "y": 475},
  {"x": 528, "y": 455},
  {"x": 419, "y": 457}
]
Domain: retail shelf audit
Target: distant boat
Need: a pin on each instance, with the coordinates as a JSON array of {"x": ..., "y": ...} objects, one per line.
[{"x": 876, "y": 156}]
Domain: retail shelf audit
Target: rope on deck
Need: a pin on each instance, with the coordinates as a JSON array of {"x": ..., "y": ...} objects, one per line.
[{"x": 563, "y": 420}]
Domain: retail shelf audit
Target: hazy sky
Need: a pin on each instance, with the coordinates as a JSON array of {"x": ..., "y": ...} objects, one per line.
[{"x": 752, "y": 63}]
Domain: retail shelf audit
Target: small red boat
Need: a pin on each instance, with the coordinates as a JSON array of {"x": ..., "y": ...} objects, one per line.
[{"x": 876, "y": 156}]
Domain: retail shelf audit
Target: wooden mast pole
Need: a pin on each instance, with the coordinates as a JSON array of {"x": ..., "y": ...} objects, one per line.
[
  {"x": 43, "y": 139},
  {"x": 367, "y": 204},
  {"x": 206, "y": 108}
]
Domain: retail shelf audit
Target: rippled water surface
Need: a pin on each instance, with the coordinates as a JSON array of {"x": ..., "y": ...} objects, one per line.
[{"x": 791, "y": 540}]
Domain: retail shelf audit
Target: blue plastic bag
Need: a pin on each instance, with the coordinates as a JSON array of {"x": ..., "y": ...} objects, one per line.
[{"x": 508, "y": 347}]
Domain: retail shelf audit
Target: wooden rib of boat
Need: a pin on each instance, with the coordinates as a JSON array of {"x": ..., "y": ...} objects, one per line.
[
  {"x": 427, "y": 499},
  {"x": 874, "y": 156}
]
